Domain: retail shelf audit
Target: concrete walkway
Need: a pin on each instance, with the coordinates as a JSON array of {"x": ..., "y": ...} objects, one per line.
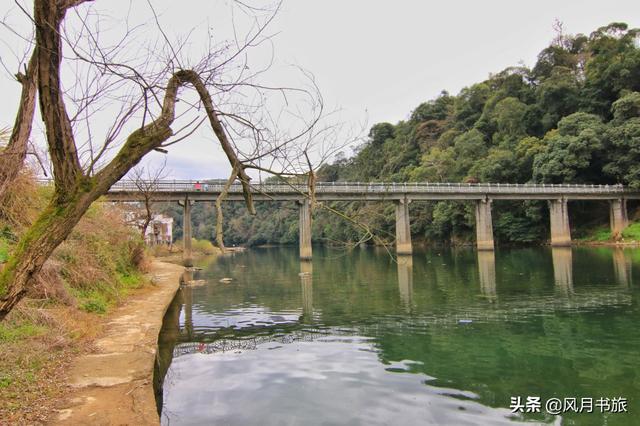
[{"x": 114, "y": 384}]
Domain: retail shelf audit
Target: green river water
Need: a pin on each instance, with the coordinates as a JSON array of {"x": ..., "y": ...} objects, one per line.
[{"x": 447, "y": 336}]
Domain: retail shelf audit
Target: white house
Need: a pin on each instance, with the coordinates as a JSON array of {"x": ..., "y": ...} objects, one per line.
[{"x": 160, "y": 230}]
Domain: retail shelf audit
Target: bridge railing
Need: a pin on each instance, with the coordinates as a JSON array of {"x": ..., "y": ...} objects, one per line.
[
  {"x": 367, "y": 187},
  {"x": 362, "y": 187}
]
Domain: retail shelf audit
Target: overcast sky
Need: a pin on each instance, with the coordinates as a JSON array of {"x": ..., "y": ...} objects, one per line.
[{"x": 380, "y": 59}]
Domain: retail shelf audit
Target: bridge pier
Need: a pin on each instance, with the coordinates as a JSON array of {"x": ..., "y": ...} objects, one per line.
[
  {"x": 305, "y": 229},
  {"x": 187, "y": 256},
  {"x": 618, "y": 216},
  {"x": 559, "y": 217},
  {"x": 484, "y": 225},
  {"x": 403, "y": 227}
]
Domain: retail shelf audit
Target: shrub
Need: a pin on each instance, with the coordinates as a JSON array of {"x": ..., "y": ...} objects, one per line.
[
  {"x": 203, "y": 246},
  {"x": 632, "y": 232},
  {"x": 94, "y": 267}
]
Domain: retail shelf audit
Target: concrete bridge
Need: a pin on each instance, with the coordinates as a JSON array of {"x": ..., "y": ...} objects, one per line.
[{"x": 401, "y": 194}]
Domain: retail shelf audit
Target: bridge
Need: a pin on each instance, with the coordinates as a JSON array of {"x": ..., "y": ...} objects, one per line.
[{"x": 401, "y": 194}]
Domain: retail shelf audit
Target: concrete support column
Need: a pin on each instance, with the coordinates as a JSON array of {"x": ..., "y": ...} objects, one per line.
[
  {"x": 187, "y": 257},
  {"x": 559, "y": 217},
  {"x": 403, "y": 228},
  {"x": 484, "y": 225},
  {"x": 305, "y": 229},
  {"x": 618, "y": 216}
]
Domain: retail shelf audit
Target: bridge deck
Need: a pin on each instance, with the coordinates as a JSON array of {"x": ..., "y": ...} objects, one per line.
[{"x": 335, "y": 191}]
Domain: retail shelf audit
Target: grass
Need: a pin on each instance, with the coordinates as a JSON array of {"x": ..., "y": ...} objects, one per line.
[
  {"x": 4, "y": 251},
  {"x": 95, "y": 268},
  {"x": 4, "y": 244},
  {"x": 203, "y": 246},
  {"x": 599, "y": 234},
  {"x": 99, "y": 297},
  {"x": 35, "y": 352},
  {"x": 603, "y": 233},
  {"x": 632, "y": 232},
  {"x": 93, "y": 301},
  {"x": 12, "y": 332}
]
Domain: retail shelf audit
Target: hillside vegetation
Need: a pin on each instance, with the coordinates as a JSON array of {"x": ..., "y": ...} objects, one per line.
[
  {"x": 95, "y": 268},
  {"x": 572, "y": 118}
]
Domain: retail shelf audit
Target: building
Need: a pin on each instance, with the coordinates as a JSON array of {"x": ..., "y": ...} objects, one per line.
[{"x": 159, "y": 231}]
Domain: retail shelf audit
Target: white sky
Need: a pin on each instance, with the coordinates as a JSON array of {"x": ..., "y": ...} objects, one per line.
[{"x": 374, "y": 59}]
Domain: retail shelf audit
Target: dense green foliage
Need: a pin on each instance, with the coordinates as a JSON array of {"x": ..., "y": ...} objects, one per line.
[{"x": 573, "y": 118}]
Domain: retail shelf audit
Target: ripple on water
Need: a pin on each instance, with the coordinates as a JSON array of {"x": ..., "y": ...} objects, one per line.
[{"x": 361, "y": 341}]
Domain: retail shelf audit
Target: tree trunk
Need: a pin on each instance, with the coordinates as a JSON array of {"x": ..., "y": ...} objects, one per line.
[
  {"x": 48, "y": 16},
  {"x": 74, "y": 191},
  {"x": 51, "y": 228},
  {"x": 12, "y": 157},
  {"x": 145, "y": 225},
  {"x": 219, "y": 200}
]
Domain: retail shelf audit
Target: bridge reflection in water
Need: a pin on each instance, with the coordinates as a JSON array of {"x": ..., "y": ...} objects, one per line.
[
  {"x": 563, "y": 269},
  {"x": 622, "y": 266},
  {"x": 416, "y": 312},
  {"x": 405, "y": 280},
  {"x": 306, "y": 282},
  {"x": 487, "y": 270},
  {"x": 181, "y": 309}
]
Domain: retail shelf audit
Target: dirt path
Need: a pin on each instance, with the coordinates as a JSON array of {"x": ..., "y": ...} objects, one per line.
[{"x": 114, "y": 384}]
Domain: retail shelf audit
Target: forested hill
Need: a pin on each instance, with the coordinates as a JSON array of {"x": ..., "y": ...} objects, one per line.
[{"x": 572, "y": 118}]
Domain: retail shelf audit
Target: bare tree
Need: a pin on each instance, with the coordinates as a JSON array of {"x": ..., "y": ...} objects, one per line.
[
  {"x": 13, "y": 155},
  {"x": 147, "y": 182},
  {"x": 147, "y": 90}
]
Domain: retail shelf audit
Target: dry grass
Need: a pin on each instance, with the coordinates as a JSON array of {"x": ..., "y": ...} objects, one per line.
[
  {"x": 21, "y": 204},
  {"x": 203, "y": 247},
  {"x": 93, "y": 270},
  {"x": 36, "y": 346},
  {"x": 163, "y": 250}
]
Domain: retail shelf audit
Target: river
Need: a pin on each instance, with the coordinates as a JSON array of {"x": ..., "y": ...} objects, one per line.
[{"x": 449, "y": 336}]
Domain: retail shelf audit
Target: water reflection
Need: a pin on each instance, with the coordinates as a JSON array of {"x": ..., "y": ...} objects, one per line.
[
  {"x": 621, "y": 267},
  {"x": 306, "y": 282},
  {"x": 360, "y": 338},
  {"x": 169, "y": 336},
  {"x": 405, "y": 280},
  {"x": 563, "y": 269},
  {"x": 487, "y": 272},
  {"x": 187, "y": 297}
]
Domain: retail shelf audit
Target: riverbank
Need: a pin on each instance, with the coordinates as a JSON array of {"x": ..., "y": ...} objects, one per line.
[
  {"x": 114, "y": 383},
  {"x": 98, "y": 267},
  {"x": 602, "y": 236}
]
